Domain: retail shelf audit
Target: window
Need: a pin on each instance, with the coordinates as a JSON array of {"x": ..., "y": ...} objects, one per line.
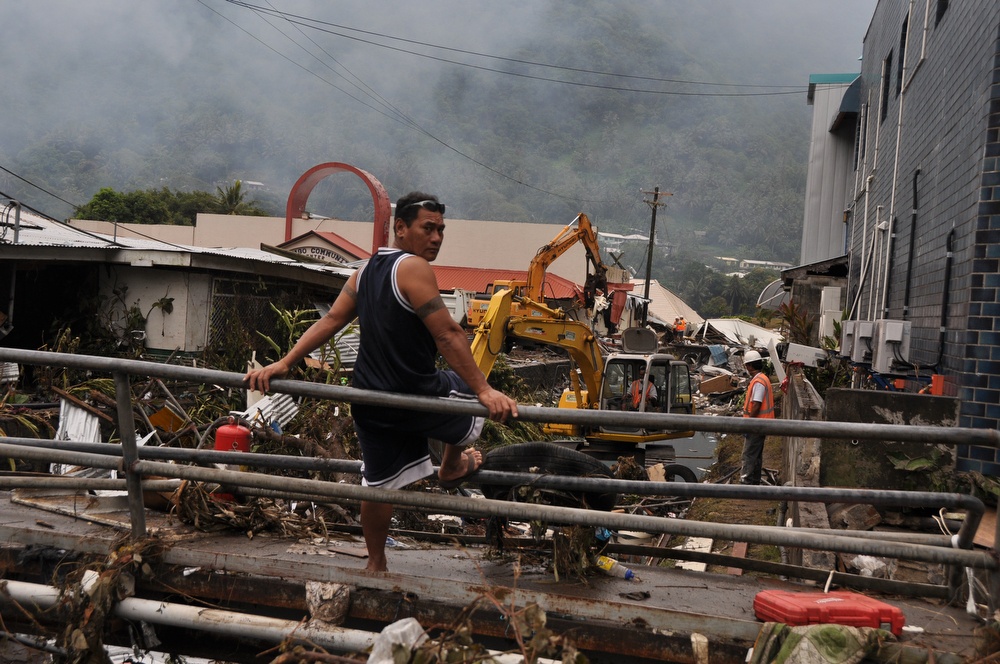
[
  {"x": 680, "y": 389},
  {"x": 859, "y": 136},
  {"x": 942, "y": 7},
  {"x": 902, "y": 55},
  {"x": 886, "y": 78}
]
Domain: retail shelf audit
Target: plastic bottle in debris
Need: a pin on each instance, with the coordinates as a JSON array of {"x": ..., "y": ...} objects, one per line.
[{"x": 612, "y": 567}]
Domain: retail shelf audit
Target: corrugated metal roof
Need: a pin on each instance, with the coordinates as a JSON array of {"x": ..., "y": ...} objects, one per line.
[
  {"x": 476, "y": 279},
  {"x": 666, "y": 306},
  {"x": 36, "y": 231},
  {"x": 738, "y": 332},
  {"x": 828, "y": 79}
]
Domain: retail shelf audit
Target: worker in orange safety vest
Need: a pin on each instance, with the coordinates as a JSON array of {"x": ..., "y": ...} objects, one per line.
[
  {"x": 635, "y": 398},
  {"x": 679, "y": 329},
  {"x": 758, "y": 403}
]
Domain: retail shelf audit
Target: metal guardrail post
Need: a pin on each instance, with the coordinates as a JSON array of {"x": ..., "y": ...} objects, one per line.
[{"x": 130, "y": 454}]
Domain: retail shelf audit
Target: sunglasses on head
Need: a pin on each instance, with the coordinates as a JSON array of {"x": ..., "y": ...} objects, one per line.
[{"x": 429, "y": 205}]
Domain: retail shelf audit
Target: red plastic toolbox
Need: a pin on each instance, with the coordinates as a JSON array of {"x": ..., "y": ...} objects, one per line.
[{"x": 837, "y": 607}]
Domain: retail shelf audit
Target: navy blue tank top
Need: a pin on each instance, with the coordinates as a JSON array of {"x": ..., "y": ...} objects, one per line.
[{"x": 397, "y": 351}]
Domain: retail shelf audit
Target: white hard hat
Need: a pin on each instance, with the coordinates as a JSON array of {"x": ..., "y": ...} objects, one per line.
[{"x": 751, "y": 356}]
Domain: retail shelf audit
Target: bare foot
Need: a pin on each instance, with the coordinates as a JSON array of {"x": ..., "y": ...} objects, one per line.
[{"x": 461, "y": 465}]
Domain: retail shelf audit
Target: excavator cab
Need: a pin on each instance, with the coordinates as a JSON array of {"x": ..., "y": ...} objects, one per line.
[{"x": 641, "y": 380}]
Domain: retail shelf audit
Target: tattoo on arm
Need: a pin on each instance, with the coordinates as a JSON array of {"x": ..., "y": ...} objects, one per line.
[
  {"x": 430, "y": 307},
  {"x": 350, "y": 292}
]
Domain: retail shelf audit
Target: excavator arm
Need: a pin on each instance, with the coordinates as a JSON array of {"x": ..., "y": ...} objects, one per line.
[
  {"x": 579, "y": 230},
  {"x": 541, "y": 325}
]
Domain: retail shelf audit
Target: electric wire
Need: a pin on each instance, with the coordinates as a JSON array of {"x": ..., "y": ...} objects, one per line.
[
  {"x": 310, "y": 22},
  {"x": 357, "y": 81},
  {"x": 38, "y": 187},
  {"x": 572, "y": 199}
]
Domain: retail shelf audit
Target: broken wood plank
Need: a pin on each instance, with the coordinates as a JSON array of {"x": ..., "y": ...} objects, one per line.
[{"x": 83, "y": 404}]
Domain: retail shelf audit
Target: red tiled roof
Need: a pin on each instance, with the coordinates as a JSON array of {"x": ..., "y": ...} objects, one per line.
[
  {"x": 336, "y": 240},
  {"x": 477, "y": 279},
  {"x": 344, "y": 244}
]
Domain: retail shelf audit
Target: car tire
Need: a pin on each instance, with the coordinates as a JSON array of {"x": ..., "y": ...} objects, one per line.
[
  {"x": 675, "y": 472},
  {"x": 548, "y": 459}
]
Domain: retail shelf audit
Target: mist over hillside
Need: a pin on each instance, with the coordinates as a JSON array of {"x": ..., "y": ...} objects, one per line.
[{"x": 520, "y": 110}]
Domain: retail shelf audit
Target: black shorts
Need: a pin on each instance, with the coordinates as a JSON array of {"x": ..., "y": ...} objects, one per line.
[{"x": 394, "y": 442}]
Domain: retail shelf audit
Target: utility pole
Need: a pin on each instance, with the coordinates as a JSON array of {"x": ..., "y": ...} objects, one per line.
[{"x": 655, "y": 203}]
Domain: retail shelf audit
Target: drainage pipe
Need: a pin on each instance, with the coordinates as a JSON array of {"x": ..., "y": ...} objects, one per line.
[
  {"x": 553, "y": 514},
  {"x": 913, "y": 244},
  {"x": 665, "y": 421},
  {"x": 945, "y": 295},
  {"x": 227, "y": 623}
]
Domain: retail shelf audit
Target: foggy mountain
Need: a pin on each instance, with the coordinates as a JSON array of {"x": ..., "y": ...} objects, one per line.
[{"x": 519, "y": 110}]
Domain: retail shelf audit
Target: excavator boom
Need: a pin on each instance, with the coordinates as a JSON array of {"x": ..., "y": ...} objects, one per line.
[
  {"x": 541, "y": 325},
  {"x": 579, "y": 230}
]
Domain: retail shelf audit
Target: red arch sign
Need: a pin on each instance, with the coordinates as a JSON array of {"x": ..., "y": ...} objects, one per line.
[{"x": 297, "y": 198}]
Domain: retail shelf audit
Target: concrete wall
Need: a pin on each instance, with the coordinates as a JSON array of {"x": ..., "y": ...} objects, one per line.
[
  {"x": 869, "y": 464},
  {"x": 831, "y": 157},
  {"x": 485, "y": 244},
  {"x": 185, "y": 328},
  {"x": 801, "y": 467}
]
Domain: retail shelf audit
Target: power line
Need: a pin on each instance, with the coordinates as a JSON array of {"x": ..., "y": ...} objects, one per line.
[
  {"x": 408, "y": 121},
  {"x": 311, "y": 22},
  {"x": 40, "y": 188},
  {"x": 363, "y": 87}
]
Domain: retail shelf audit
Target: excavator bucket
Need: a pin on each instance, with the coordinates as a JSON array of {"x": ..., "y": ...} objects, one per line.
[{"x": 489, "y": 338}]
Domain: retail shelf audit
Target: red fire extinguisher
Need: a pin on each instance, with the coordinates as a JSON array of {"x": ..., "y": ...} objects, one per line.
[{"x": 232, "y": 437}]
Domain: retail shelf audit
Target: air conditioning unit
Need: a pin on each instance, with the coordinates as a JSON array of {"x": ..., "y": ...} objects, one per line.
[
  {"x": 861, "y": 352},
  {"x": 891, "y": 346},
  {"x": 807, "y": 355},
  {"x": 847, "y": 337}
]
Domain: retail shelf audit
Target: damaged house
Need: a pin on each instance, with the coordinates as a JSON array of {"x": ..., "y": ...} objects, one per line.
[{"x": 165, "y": 299}]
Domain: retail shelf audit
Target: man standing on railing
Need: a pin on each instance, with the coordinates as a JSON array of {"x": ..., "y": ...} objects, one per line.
[
  {"x": 758, "y": 403},
  {"x": 404, "y": 324}
]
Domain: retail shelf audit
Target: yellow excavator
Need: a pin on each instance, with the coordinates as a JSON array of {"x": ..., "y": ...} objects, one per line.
[
  {"x": 608, "y": 380},
  {"x": 578, "y": 230}
]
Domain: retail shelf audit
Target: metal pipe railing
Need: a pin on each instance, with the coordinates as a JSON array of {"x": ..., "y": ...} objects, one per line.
[
  {"x": 973, "y": 507},
  {"x": 137, "y": 466},
  {"x": 564, "y": 515},
  {"x": 81, "y": 483},
  {"x": 673, "y": 422}
]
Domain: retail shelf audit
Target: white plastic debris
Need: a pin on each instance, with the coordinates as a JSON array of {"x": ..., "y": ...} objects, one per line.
[{"x": 406, "y": 632}]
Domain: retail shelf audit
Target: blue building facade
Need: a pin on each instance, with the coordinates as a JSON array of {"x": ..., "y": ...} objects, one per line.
[{"x": 922, "y": 210}]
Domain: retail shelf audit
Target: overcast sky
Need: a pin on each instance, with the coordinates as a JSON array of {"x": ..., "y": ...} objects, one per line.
[{"x": 70, "y": 64}]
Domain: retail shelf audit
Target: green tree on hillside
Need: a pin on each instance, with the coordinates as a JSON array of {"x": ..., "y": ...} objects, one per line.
[{"x": 163, "y": 206}]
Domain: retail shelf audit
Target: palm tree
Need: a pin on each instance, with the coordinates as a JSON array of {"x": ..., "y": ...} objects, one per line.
[
  {"x": 230, "y": 200},
  {"x": 735, "y": 293}
]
